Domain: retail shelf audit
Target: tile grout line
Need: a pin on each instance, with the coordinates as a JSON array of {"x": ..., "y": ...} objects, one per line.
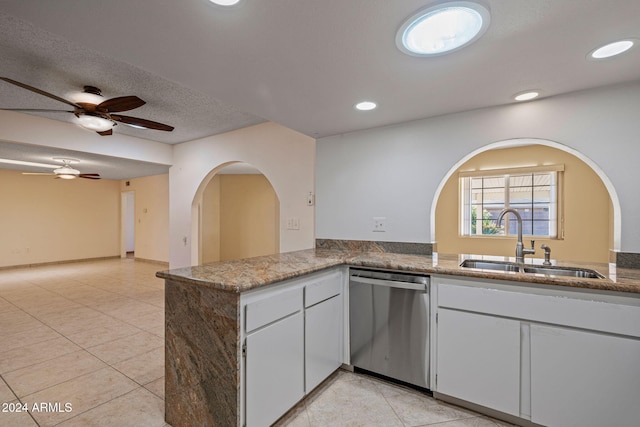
[
  {"x": 104, "y": 403},
  {"x": 19, "y": 400},
  {"x": 72, "y": 379}
]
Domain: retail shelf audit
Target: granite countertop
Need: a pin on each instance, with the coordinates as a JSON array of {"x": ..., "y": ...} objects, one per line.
[{"x": 243, "y": 275}]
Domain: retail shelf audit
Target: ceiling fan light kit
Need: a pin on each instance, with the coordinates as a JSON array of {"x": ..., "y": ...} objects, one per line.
[
  {"x": 66, "y": 171},
  {"x": 95, "y": 113},
  {"x": 95, "y": 123}
]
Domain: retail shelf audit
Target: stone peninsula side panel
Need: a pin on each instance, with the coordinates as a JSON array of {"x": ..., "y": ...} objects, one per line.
[{"x": 202, "y": 366}]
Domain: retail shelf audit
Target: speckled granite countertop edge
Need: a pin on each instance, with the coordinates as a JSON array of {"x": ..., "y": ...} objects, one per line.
[{"x": 246, "y": 274}]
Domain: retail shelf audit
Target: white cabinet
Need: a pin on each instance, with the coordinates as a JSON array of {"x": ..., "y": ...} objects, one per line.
[
  {"x": 292, "y": 335},
  {"x": 479, "y": 359},
  {"x": 323, "y": 329},
  {"x": 581, "y": 378},
  {"x": 554, "y": 356},
  {"x": 274, "y": 355}
]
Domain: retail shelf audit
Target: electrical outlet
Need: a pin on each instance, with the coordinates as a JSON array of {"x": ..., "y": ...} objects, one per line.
[{"x": 379, "y": 223}]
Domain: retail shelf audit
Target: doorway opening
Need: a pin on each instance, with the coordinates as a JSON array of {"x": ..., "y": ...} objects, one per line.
[
  {"x": 238, "y": 215},
  {"x": 128, "y": 234}
]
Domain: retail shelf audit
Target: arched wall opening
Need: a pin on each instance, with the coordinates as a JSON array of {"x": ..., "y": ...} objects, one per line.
[
  {"x": 591, "y": 206},
  {"x": 235, "y": 214}
]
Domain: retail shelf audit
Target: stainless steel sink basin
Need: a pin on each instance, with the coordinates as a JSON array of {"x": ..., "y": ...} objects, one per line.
[
  {"x": 531, "y": 269},
  {"x": 490, "y": 265},
  {"x": 564, "y": 271}
]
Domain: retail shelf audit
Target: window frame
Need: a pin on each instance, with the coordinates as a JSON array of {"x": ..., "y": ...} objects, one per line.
[{"x": 556, "y": 199}]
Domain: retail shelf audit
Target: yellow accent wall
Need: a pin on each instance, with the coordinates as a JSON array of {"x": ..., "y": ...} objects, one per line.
[
  {"x": 43, "y": 219},
  {"x": 239, "y": 218},
  {"x": 151, "y": 216},
  {"x": 210, "y": 222},
  {"x": 588, "y": 224}
]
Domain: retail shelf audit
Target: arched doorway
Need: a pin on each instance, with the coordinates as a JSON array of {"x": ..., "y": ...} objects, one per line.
[
  {"x": 591, "y": 208},
  {"x": 238, "y": 215}
]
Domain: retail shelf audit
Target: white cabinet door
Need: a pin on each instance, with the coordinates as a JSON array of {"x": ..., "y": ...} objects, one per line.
[
  {"x": 274, "y": 367},
  {"x": 583, "y": 378},
  {"x": 323, "y": 340},
  {"x": 478, "y": 359}
]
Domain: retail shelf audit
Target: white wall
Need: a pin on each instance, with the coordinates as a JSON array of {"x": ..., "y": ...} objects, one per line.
[
  {"x": 151, "y": 229},
  {"x": 285, "y": 157},
  {"x": 395, "y": 171},
  {"x": 29, "y": 129}
]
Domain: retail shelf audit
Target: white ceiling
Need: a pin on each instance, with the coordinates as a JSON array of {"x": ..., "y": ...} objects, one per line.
[
  {"x": 107, "y": 167},
  {"x": 300, "y": 63}
]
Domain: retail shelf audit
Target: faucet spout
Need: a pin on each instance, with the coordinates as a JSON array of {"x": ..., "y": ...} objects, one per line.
[{"x": 520, "y": 250}]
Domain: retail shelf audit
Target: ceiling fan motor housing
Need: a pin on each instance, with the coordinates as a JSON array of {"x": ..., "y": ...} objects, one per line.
[{"x": 92, "y": 89}]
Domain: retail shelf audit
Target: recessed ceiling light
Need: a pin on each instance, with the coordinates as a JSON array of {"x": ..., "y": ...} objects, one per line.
[
  {"x": 526, "y": 96},
  {"x": 225, "y": 2},
  {"x": 612, "y": 49},
  {"x": 365, "y": 106},
  {"x": 443, "y": 28}
]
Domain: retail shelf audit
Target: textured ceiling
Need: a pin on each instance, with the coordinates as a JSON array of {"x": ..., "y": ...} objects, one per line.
[
  {"x": 302, "y": 64},
  {"x": 56, "y": 65}
]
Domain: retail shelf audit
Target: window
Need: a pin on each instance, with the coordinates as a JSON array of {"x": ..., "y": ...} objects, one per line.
[{"x": 532, "y": 191}]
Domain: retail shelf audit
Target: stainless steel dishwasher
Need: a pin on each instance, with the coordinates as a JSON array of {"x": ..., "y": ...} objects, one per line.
[{"x": 389, "y": 324}]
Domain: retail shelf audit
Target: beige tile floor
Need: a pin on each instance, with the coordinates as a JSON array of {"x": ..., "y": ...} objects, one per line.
[
  {"x": 348, "y": 399},
  {"x": 88, "y": 334},
  {"x": 91, "y": 334}
]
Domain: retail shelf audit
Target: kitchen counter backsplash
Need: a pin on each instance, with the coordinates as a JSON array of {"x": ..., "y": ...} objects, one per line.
[
  {"x": 626, "y": 259},
  {"x": 372, "y": 246}
]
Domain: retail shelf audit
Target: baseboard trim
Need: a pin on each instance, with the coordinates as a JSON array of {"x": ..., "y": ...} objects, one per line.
[
  {"x": 69, "y": 261},
  {"x": 152, "y": 261}
]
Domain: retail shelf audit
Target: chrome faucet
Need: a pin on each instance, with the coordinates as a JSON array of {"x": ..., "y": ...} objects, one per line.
[{"x": 520, "y": 250}]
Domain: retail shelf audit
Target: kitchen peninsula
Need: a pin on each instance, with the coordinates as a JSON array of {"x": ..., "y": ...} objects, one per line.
[{"x": 206, "y": 328}]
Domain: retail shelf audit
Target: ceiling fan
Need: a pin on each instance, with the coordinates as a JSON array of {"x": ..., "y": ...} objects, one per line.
[
  {"x": 95, "y": 113},
  {"x": 66, "y": 171}
]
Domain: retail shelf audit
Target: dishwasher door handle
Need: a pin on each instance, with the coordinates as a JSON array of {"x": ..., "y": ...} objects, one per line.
[{"x": 389, "y": 283}]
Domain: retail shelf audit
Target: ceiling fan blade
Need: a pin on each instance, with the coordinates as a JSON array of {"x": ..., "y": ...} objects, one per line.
[
  {"x": 121, "y": 103},
  {"x": 105, "y": 132},
  {"x": 41, "y": 92},
  {"x": 36, "y": 110},
  {"x": 37, "y": 173},
  {"x": 89, "y": 175},
  {"x": 134, "y": 121}
]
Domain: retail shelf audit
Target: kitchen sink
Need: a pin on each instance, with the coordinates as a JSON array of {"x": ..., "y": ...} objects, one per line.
[
  {"x": 490, "y": 265},
  {"x": 564, "y": 271},
  {"x": 531, "y": 269}
]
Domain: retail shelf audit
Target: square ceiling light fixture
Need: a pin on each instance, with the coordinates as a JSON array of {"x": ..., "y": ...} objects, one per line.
[{"x": 443, "y": 28}]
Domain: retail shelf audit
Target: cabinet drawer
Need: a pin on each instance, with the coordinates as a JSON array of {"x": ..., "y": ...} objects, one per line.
[
  {"x": 621, "y": 317},
  {"x": 272, "y": 308},
  {"x": 323, "y": 288}
]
